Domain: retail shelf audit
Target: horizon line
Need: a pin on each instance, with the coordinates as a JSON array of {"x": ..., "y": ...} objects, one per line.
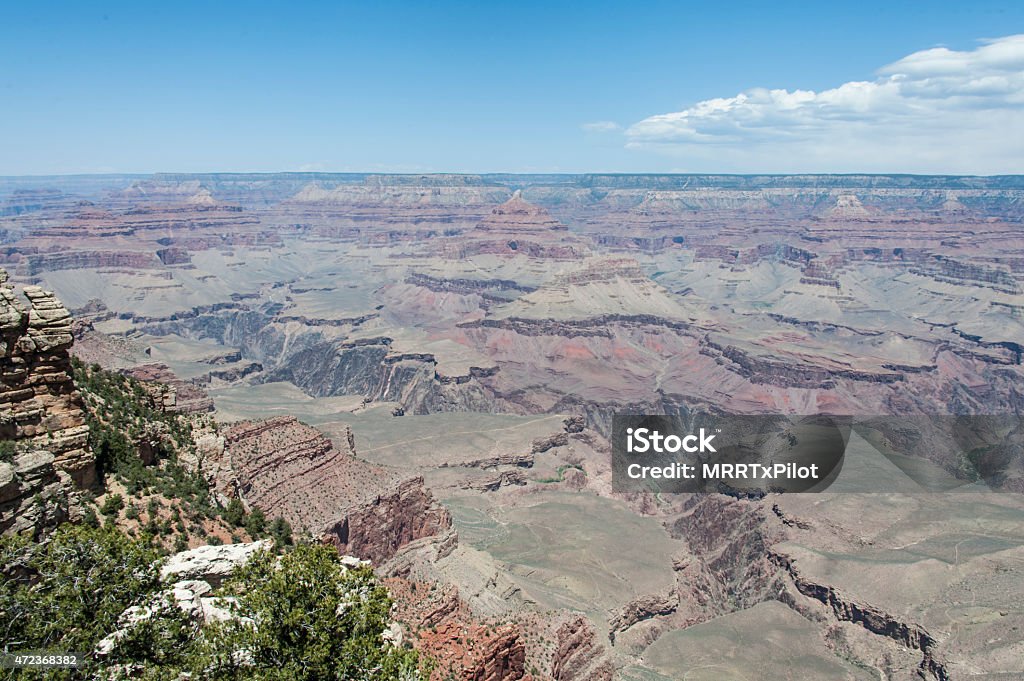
[{"x": 501, "y": 173}]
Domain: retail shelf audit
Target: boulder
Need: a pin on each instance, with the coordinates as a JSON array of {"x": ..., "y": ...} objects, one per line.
[{"x": 211, "y": 564}]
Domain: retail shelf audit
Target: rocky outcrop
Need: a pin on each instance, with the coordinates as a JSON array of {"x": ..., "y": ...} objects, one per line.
[
  {"x": 642, "y": 608},
  {"x": 398, "y": 514},
  {"x": 543, "y": 444},
  {"x": 727, "y": 566},
  {"x": 211, "y": 564},
  {"x": 231, "y": 375},
  {"x": 463, "y": 647},
  {"x": 521, "y": 460},
  {"x": 39, "y": 405},
  {"x": 574, "y": 424},
  {"x": 875, "y": 619},
  {"x": 579, "y": 656},
  {"x": 170, "y": 392},
  {"x": 287, "y": 468},
  {"x": 495, "y": 482},
  {"x": 191, "y": 578},
  {"x": 33, "y": 494},
  {"x": 175, "y": 255},
  {"x": 502, "y": 657}
]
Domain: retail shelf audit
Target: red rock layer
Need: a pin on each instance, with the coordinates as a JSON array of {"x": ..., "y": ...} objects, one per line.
[{"x": 462, "y": 646}]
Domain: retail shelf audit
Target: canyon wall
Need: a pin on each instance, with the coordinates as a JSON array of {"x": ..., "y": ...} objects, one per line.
[{"x": 286, "y": 468}]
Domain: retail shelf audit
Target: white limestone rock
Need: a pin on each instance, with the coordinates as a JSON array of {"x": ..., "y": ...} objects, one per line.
[{"x": 211, "y": 564}]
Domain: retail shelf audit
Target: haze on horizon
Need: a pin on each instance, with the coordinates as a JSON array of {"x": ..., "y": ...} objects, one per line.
[{"x": 608, "y": 87}]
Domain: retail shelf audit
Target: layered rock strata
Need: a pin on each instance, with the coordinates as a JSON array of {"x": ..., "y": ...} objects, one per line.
[
  {"x": 579, "y": 656},
  {"x": 289, "y": 469},
  {"x": 39, "y": 405}
]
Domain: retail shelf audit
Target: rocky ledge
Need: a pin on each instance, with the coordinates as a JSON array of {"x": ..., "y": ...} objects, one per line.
[
  {"x": 33, "y": 494},
  {"x": 284, "y": 467}
]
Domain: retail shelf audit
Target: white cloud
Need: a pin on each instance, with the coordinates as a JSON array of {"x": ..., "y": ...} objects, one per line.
[
  {"x": 934, "y": 111},
  {"x": 601, "y": 126}
]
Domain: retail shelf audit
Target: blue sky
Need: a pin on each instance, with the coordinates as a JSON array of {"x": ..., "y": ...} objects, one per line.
[{"x": 516, "y": 87}]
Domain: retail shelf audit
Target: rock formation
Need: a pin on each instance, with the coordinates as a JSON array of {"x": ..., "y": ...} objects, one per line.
[
  {"x": 519, "y": 217},
  {"x": 666, "y": 294},
  {"x": 33, "y": 495},
  {"x": 518, "y": 228},
  {"x": 211, "y": 564},
  {"x": 462, "y": 646},
  {"x": 287, "y": 468},
  {"x": 579, "y": 656},
  {"x": 169, "y": 391},
  {"x": 39, "y": 405}
]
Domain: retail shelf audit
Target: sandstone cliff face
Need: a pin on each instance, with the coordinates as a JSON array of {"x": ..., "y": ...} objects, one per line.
[
  {"x": 503, "y": 658},
  {"x": 287, "y": 468},
  {"x": 76, "y": 260},
  {"x": 466, "y": 648},
  {"x": 39, "y": 406}
]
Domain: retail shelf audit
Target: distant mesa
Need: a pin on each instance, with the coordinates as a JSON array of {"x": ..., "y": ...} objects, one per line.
[
  {"x": 203, "y": 197},
  {"x": 517, "y": 215},
  {"x": 376, "y": 193},
  {"x": 848, "y": 206},
  {"x": 158, "y": 190}
]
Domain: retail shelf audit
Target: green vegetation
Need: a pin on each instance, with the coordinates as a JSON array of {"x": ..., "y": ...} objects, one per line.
[
  {"x": 301, "y": 616},
  {"x": 122, "y": 413},
  {"x": 8, "y": 448},
  {"x": 68, "y": 593},
  {"x": 234, "y": 514},
  {"x": 113, "y": 505},
  {"x": 308, "y": 618},
  {"x": 561, "y": 473},
  {"x": 281, "y": 532},
  {"x": 296, "y": 616},
  {"x": 256, "y": 523}
]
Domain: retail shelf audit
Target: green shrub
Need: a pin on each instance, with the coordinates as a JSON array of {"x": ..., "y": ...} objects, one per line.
[
  {"x": 308, "y": 618},
  {"x": 8, "y": 448},
  {"x": 255, "y": 523},
  {"x": 113, "y": 505},
  {"x": 234, "y": 514},
  {"x": 300, "y": 617},
  {"x": 79, "y": 583},
  {"x": 281, "y": 532}
]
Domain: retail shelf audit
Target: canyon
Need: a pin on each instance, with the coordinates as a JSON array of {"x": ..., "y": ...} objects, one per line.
[{"x": 423, "y": 369}]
